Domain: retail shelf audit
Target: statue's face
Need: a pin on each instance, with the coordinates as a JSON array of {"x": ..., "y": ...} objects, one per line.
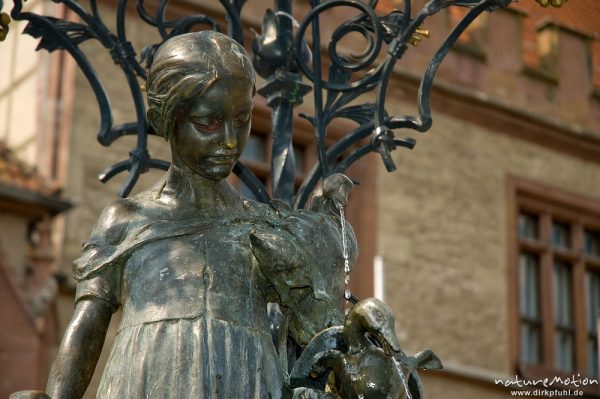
[{"x": 209, "y": 138}]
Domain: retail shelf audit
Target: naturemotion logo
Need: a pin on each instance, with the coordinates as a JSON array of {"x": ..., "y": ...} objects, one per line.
[{"x": 557, "y": 386}]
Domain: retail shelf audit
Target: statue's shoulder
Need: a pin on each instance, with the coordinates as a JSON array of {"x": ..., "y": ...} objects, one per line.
[{"x": 116, "y": 218}]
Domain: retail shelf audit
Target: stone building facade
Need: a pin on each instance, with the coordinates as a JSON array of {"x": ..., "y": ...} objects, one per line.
[
  {"x": 515, "y": 142},
  {"x": 28, "y": 287},
  {"x": 29, "y": 203}
]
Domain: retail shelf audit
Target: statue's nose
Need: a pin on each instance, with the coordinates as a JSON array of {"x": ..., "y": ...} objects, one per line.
[{"x": 230, "y": 139}]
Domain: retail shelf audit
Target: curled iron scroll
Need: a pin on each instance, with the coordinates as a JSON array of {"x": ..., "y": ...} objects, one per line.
[
  {"x": 367, "y": 58},
  {"x": 398, "y": 29}
]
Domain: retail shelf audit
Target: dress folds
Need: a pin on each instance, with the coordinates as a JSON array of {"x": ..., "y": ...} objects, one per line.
[{"x": 192, "y": 358}]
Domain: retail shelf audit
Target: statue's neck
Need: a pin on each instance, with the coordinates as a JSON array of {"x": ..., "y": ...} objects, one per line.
[
  {"x": 355, "y": 338},
  {"x": 183, "y": 187}
]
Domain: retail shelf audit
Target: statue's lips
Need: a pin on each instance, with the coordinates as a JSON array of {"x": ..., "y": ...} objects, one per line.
[{"x": 221, "y": 160}]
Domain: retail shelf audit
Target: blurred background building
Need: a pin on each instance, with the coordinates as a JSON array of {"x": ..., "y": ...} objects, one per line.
[{"x": 485, "y": 242}]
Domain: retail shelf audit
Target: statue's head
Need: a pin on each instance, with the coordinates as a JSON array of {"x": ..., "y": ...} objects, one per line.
[{"x": 200, "y": 88}]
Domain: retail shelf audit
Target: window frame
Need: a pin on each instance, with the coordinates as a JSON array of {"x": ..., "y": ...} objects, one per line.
[{"x": 581, "y": 214}]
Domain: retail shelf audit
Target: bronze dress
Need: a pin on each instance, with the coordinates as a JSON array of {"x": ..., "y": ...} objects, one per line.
[{"x": 193, "y": 299}]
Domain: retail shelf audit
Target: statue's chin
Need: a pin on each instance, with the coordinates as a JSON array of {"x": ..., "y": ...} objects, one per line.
[{"x": 214, "y": 172}]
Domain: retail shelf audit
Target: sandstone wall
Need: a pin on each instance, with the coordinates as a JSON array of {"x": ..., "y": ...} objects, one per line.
[{"x": 443, "y": 236}]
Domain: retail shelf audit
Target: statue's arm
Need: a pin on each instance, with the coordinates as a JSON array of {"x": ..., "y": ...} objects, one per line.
[{"x": 80, "y": 349}]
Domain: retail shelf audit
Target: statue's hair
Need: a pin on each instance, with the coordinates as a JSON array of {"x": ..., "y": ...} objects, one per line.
[{"x": 184, "y": 67}]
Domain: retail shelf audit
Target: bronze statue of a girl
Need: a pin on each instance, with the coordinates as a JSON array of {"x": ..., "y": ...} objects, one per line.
[{"x": 191, "y": 262}]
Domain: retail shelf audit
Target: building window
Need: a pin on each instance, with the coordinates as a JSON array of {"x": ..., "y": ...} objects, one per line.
[
  {"x": 593, "y": 308},
  {"x": 474, "y": 39},
  {"x": 558, "y": 279},
  {"x": 531, "y": 317},
  {"x": 564, "y": 328}
]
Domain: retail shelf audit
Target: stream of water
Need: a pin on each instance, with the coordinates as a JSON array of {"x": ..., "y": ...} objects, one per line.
[{"x": 347, "y": 293}]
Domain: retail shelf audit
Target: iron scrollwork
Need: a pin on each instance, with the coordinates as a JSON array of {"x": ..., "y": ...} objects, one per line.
[{"x": 284, "y": 59}]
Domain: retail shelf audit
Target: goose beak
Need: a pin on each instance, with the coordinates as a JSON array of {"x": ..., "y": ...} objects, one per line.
[{"x": 388, "y": 341}]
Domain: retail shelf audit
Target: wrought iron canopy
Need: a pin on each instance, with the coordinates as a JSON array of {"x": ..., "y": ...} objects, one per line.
[{"x": 290, "y": 67}]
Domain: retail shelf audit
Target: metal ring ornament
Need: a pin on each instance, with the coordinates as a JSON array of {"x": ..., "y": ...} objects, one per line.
[
  {"x": 369, "y": 58},
  {"x": 424, "y": 121}
]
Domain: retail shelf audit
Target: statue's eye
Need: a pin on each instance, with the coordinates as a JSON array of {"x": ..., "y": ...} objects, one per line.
[
  {"x": 207, "y": 125},
  {"x": 241, "y": 120}
]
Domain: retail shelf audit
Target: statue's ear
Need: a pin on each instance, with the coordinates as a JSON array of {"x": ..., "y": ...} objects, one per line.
[{"x": 153, "y": 118}]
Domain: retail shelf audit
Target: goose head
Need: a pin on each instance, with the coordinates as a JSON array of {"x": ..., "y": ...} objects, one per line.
[{"x": 371, "y": 318}]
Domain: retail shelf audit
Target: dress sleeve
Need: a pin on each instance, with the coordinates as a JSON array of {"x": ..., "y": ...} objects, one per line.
[
  {"x": 97, "y": 273},
  {"x": 98, "y": 270}
]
